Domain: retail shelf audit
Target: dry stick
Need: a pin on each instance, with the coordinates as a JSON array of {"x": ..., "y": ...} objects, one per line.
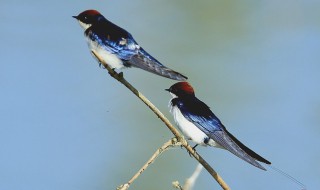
[
  {"x": 189, "y": 184},
  {"x": 169, "y": 144},
  {"x": 177, "y": 185},
  {"x": 119, "y": 77}
]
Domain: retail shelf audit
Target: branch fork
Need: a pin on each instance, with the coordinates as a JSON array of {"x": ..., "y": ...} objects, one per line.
[{"x": 177, "y": 141}]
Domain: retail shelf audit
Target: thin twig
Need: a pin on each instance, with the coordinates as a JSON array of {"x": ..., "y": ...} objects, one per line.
[
  {"x": 177, "y": 185},
  {"x": 119, "y": 77},
  {"x": 166, "y": 146},
  {"x": 188, "y": 185}
]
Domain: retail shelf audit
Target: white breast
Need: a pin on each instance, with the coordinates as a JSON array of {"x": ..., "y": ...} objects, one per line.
[
  {"x": 111, "y": 59},
  {"x": 189, "y": 130}
]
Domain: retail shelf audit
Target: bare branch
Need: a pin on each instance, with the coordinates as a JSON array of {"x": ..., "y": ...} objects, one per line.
[
  {"x": 166, "y": 146},
  {"x": 188, "y": 185},
  {"x": 177, "y": 185},
  {"x": 119, "y": 77}
]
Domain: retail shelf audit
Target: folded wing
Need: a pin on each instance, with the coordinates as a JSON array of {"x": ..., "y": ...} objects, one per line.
[{"x": 201, "y": 115}]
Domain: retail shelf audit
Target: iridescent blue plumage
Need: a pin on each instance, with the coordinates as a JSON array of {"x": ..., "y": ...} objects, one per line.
[
  {"x": 118, "y": 48},
  {"x": 116, "y": 41},
  {"x": 189, "y": 111}
]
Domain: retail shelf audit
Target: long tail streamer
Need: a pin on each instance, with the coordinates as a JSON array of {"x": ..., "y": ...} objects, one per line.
[{"x": 302, "y": 186}]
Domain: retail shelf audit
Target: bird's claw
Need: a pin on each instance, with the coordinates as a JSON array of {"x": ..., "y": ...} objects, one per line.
[{"x": 194, "y": 149}]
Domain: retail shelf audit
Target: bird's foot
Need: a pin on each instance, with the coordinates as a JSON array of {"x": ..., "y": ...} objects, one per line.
[
  {"x": 121, "y": 74},
  {"x": 194, "y": 149}
]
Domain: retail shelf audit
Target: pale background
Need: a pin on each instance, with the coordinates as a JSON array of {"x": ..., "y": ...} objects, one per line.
[{"x": 65, "y": 124}]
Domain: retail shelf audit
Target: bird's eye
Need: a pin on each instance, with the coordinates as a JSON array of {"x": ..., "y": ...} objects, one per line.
[{"x": 85, "y": 18}]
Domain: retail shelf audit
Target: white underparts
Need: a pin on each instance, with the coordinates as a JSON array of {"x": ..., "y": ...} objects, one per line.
[
  {"x": 111, "y": 59},
  {"x": 189, "y": 130}
]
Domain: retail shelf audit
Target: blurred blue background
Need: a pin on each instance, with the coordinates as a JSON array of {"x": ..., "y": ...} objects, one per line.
[{"x": 66, "y": 124}]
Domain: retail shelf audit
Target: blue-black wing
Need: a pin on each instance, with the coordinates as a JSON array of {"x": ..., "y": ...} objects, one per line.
[
  {"x": 145, "y": 61},
  {"x": 200, "y": 114},
  {"x": 113, "y": 39},
  {"x": 120, "y": 42}
]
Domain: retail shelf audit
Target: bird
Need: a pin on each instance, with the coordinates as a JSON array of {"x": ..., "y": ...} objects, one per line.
[
  {"x": 118, "y": 48},
  {"x": 200, "y": 125}
]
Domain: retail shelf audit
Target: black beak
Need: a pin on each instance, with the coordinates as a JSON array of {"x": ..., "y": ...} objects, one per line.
[
  {"x": 76, "y": 17},
  {"x": 167, "y": 90}
]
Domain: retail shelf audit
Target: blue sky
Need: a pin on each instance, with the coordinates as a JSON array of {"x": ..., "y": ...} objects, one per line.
[{"x": 66, "y": 124}]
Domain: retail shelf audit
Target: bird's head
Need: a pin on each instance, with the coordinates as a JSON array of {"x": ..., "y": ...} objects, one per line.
[
  {"x": 181, "y": 89},
  {"x": 88, "y": 17}
]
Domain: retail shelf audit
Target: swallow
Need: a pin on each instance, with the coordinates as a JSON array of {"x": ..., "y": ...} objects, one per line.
[
  {"x": 200, "y": 125},
  {"x": 118, "y": 48}
]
